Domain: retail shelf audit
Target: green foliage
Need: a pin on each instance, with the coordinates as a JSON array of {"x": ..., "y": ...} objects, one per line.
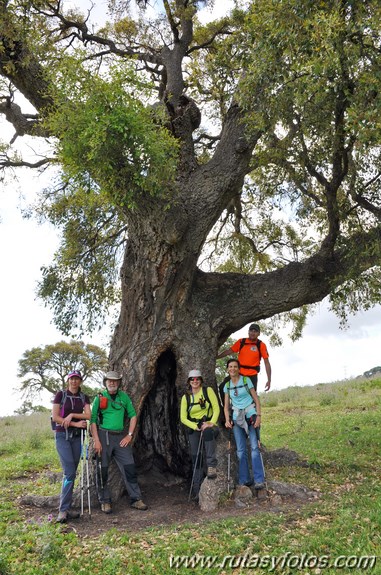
[
  {"x": 221, "y": 372},
  {"x": 46, "y": 368},
  {"x": 115, "y": 153},
  {"x": 313, "y": 63},
  {"x": 107, "y": 134},
  {"x": 85, "y": 269},
  {"x": 309, "y": 94},
  {"x": 27, "y": 408},
  {"x": 311, "y": 71}
]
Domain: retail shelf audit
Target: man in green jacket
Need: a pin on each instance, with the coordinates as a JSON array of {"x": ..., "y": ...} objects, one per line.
[{"x": 111, "y": 440}]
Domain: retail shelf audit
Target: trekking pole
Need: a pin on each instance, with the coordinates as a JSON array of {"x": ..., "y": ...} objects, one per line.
[
  {"x": 229, "y": 458},
  {"x": 196, "y": 462},
  {"x": 98, "y": 477},
  {"x": 88, "y": 475},
  {"x": 82, "y": 470},
  {"x": 259, "y": 449}
]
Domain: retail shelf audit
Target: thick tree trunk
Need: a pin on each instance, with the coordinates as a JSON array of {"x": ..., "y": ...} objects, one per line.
[
  {"x": 160, "y": 336},
  {"x": 173, "y": 319}
]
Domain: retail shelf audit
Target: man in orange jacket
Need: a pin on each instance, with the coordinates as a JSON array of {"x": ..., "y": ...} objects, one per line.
[{"x": 250, "y": 352}]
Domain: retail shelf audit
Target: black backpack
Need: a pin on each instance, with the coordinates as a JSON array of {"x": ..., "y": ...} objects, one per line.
[
  {"x": 62, "y": 403},
  {"x": 244, "y": 341},
  {"x": 190, "y": 405}
]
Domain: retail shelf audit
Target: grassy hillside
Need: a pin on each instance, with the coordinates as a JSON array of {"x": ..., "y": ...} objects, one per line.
[{"x": 335, "y": 427}]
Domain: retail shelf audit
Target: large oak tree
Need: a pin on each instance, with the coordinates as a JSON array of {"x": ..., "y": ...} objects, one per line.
[{"x": 233, "y": 167}]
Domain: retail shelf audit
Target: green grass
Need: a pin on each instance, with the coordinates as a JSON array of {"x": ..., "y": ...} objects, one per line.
[{"x": 336, "y": 427}]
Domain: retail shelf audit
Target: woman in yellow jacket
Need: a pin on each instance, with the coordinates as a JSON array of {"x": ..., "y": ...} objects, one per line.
[{"x": 199, "y": 413}]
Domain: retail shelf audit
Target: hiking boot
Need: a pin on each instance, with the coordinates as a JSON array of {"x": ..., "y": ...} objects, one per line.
[
  {"x": 106, "y": 508},
  {"x": 73, "y": 515},
  {"x": 139, "y": 504},
  {"x": 212, "y": 473},
  {"x": 259, "y": 486},
  {"x": 62, "y": 517}
]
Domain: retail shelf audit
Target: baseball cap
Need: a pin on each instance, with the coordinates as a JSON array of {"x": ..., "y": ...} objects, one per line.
[
  {"x": 255, "y": 326},
  {"x": 75, "y": 373}
]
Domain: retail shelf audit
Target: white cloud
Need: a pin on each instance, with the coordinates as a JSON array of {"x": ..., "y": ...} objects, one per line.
[{"x": 326, "y": 353}]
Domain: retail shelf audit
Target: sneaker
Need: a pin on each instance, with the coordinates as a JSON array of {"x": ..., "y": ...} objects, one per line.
[
  {"x": 259, "y": 486},
  {"x": 106, "y": 508},
  {"x": 249, "y": 483},
  {"x": 73, "y": 515},
  {"x": 212, "y": 473},
  {"x": 139, "y": 504},
  {"x": 62, "y": 517}
]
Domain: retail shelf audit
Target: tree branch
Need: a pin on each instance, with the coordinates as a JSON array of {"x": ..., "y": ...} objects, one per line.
[{"x": 299, "y": 283}]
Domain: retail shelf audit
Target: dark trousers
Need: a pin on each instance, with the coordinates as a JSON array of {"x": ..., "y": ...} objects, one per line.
[
  {"x": 125, "y": 461},
  {"x": 209, "y": 447}
]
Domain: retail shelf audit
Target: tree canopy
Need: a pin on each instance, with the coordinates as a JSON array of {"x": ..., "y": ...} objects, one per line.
[
  {"x": 299, "y": 80},
  {"x": 229, "y": 169},
  {"x": 47, "y": 367}
]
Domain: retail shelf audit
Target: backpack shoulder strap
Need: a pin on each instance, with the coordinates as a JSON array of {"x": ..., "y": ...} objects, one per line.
[
  {"x": 243, "y": 342},
  {"x": 259, "y": 348},
  {"x": 62, "y": 402},
  {"x": 63, "y": 398},
  {"x": 246, "y": 384},
  {"x": 206, "y": 396},
  {"x": 99, "y": 413}
]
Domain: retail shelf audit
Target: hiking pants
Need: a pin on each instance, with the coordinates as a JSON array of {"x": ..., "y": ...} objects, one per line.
[
  {"x": 125, "y": 461},
  {"x": 209, "y": 445},
  {"x": 242, "y": 455},
  {"x": 69, "y": 450}
]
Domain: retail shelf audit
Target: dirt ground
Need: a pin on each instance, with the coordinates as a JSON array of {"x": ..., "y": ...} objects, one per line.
[
  {"x": 168, "y": 503},
  {"x": 166, "y": 506}
]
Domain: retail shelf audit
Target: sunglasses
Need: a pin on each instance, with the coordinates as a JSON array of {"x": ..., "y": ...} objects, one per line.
[
  {"x": 236, "y": 391},
  {"x": 195, "y": 379}
]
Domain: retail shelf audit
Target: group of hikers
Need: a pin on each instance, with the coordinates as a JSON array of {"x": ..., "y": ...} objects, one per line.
[{"x": 199, "y": 412}]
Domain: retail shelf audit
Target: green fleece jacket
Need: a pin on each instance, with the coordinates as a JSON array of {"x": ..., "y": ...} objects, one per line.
[{"x": 112, "y": 417}]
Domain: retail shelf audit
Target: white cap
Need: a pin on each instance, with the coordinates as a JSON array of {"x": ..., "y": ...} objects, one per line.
[{"x": 194, "y": 373}]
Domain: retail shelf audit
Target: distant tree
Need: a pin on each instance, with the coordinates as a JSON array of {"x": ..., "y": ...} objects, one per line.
[
  {"x": 46, "y": 368},
  {"x": 373, "y": 371},
  {"x": 27, "y": 408}
]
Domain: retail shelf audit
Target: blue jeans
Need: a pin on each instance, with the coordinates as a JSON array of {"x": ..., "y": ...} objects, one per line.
[
  {"x": 69, "y": 451},
  {"x": 242, "y": 455}
]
